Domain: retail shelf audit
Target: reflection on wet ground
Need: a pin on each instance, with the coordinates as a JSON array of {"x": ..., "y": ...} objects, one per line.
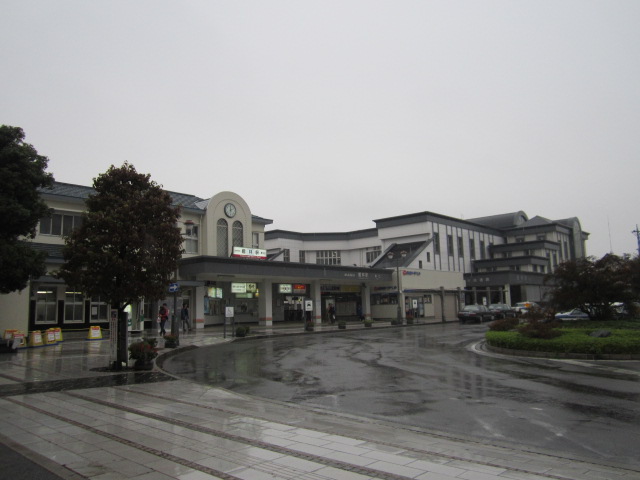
[
  {"x": 425, "y": 377},
  {"x": 129, "y": 378}
]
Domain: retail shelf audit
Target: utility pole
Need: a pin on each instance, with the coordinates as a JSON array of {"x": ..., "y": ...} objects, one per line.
[{"x": 636, "y": 232}]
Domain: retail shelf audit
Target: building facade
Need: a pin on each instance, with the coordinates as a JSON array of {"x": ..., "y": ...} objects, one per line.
[{"x": 423, "y": 265}]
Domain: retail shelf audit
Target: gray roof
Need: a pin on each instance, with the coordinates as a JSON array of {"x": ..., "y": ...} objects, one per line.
[{"x": 502, "y": 221}]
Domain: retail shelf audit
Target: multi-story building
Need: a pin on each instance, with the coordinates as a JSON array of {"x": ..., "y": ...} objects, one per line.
[{"x": 423, "y": 264}]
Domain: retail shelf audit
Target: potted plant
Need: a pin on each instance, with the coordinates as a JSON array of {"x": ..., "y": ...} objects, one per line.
[
  {"x": 368, "y": 322},
  {"x": 241, "y": 331},
  {"x": 308, "y": 326},
  {"x": 342, "y": 324},
  {"x": 170, "y": 341},
  {"x": 409, "y": 319},
  {"x": 143, "y": 352}
]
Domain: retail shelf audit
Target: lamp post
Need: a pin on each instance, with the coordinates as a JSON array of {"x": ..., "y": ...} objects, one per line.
[{"x": 391, "y": 256}]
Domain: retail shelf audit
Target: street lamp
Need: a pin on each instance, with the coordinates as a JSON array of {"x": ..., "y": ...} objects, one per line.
[{"x": 391, "y": 256}]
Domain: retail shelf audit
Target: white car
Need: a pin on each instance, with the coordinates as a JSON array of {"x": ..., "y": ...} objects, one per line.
[{"x": 524, "y": 307}]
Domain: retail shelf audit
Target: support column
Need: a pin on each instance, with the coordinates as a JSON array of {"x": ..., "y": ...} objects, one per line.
[
  {"x": 507, "y": 294},
  {"x": 475, "y": 295},
  {"x": 316, "y": 296},
  {"x": 265, "y": 304},
  {"x": 197, "y": 308},
  {"x": 442, "y": 302},
  {"x": 366, "y": 301}
]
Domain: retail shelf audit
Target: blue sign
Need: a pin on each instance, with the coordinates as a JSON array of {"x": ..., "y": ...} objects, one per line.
[{"x": 174, "y": 287}]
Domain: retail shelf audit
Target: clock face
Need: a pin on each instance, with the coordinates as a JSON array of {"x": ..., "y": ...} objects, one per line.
[{"x": 230, "y": 209}]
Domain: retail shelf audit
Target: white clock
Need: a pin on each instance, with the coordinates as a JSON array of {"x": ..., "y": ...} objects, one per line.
[{"x": 230, "y": 210}]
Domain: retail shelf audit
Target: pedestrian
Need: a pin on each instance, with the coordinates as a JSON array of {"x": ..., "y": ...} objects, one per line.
[
  {"x": 331, "y": 313},
  {"x": 164, "y": 316},
  {"x": 184, "y": 316}
]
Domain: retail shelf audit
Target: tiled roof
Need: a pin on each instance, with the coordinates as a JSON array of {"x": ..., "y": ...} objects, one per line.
[{"x": 82, "y": 192}]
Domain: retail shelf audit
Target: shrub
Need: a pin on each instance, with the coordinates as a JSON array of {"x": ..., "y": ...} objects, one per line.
[
  {"x": 241, "y": 331},
  {"x": 570, "y": 340},
  {"x": 537, "y": 329},
  {"x": 504, "y": 324}
]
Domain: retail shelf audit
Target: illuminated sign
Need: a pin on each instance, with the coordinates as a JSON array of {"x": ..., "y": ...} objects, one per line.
[
  {"x": 285, "y": 288},
  {"x": 243, "y": 252},
  {"x": 299, "y": 288},
  {"x": 238, "y": 288}
]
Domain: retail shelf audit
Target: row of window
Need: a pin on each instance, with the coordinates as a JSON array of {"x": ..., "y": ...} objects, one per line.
[
  {"x": 63, "y": 223},
  {"x": 46, "y": 307}
]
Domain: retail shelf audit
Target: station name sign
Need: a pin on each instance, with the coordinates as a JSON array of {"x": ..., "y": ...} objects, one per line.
[{"x": 242, "y": 252}]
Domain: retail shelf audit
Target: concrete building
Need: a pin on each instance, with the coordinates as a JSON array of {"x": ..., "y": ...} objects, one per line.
[{"x": 422, "y": 265}]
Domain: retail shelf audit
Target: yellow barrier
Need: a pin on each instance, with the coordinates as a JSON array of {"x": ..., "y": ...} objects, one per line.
[
  {"x": 95, "y": 333},
  {"x": 50, "y": 337},
  {"x": 58, "y": 332},
  {"x": 13, "y": 334},
  {"x": 35, "y": 339}
]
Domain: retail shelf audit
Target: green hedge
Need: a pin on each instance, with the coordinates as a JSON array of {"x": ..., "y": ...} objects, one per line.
[{"x": 571, "y": 340}]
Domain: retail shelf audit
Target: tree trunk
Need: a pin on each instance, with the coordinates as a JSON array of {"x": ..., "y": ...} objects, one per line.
[{"x": 122, "y": 352}]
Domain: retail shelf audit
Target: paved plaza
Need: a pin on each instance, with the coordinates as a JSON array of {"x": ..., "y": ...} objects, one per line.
[{"x": 65, "y": 416}]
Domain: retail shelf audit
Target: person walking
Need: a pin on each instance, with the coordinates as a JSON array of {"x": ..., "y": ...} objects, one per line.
[
  {"x": 184, "y": 316},
  {"x": 164, "y": 316}
]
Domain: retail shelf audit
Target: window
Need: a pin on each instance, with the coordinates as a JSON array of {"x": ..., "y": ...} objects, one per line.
[
  {"x": 223, "y": 240},
  {"x": 519, "y": 239},
  {"x": 460, "y": 247},
  {"x": 373, "y": 253},
  {"x": 238, "y": 233},
  {"x": 191, "y": 238},
  {"x": 472, "y": 249},
  {"x": 73, "y": 307},
  {"x": 541, "y": 237},
  {"x": 436, "y": 243},
  {"x": 45, "y": 306},
  {"x": 286, "y": 255},
  {"x": 98, "y": 309},
  {"x": 302, "y": 257},
  {"x": 328, "y": 257},
  {"x": 255, "y": 240},
  {"x": 60, "y": 223},
  {"x": 450, "y": 245},
  {"x": 428, "y": 257},
  {"x": 483, "y": 253}
]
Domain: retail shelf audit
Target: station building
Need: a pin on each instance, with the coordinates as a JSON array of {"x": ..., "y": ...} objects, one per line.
[{"x": 422, "y": 265}]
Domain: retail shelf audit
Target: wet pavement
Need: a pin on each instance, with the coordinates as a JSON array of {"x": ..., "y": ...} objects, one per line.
[{"x": 356, "y": 404}]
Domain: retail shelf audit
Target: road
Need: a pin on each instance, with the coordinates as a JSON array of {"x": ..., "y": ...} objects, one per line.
[{"x": 429, "y": 377}]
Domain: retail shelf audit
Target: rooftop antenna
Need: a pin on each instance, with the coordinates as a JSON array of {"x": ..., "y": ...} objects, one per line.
[{"x": 636, "y": 232}]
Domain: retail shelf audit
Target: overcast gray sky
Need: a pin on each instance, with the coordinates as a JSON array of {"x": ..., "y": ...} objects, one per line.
[{"x": 326, "y": 115}]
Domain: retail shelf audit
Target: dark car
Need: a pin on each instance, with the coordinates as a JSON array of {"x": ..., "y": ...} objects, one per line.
[
  {"x": 502, "y": 310},
  {"x": 475, "y": 313}
]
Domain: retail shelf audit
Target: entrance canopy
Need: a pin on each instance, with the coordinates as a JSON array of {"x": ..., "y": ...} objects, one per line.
[{"x": 220, "y": 268}]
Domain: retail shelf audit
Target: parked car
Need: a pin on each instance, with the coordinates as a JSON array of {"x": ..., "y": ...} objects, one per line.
[
  {"x": 574, "y": 314},
  {"x": 502, "y": 310},
  {"x": 524, "y": 307},
  {"x": 475, "y": 313}
]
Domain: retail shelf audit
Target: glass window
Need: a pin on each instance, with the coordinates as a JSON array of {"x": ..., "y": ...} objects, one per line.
[
  {"x": 256, "y": 240},
  {"x": 98, "y": 310},
  {"x": 238, "y": 233},
  {"x": 60, "y": 223},
  {"x": 450, "y": 245},
  {"x": 328, "y": 257},
  {"x": 73, "y": 307},
  {"x": 436, "y": 243},
  {"x": 472, "y": 249},
  {"x": 191, "y": 238},
  {"x": 286, "y": 255},
  {"x": 373, "y": 253},
  {"x": 302, "y": 256},
  {"x": 222, "y": 238},
  {"x": 460, "y": 247},
  {"x": 45, "y": 306}
]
